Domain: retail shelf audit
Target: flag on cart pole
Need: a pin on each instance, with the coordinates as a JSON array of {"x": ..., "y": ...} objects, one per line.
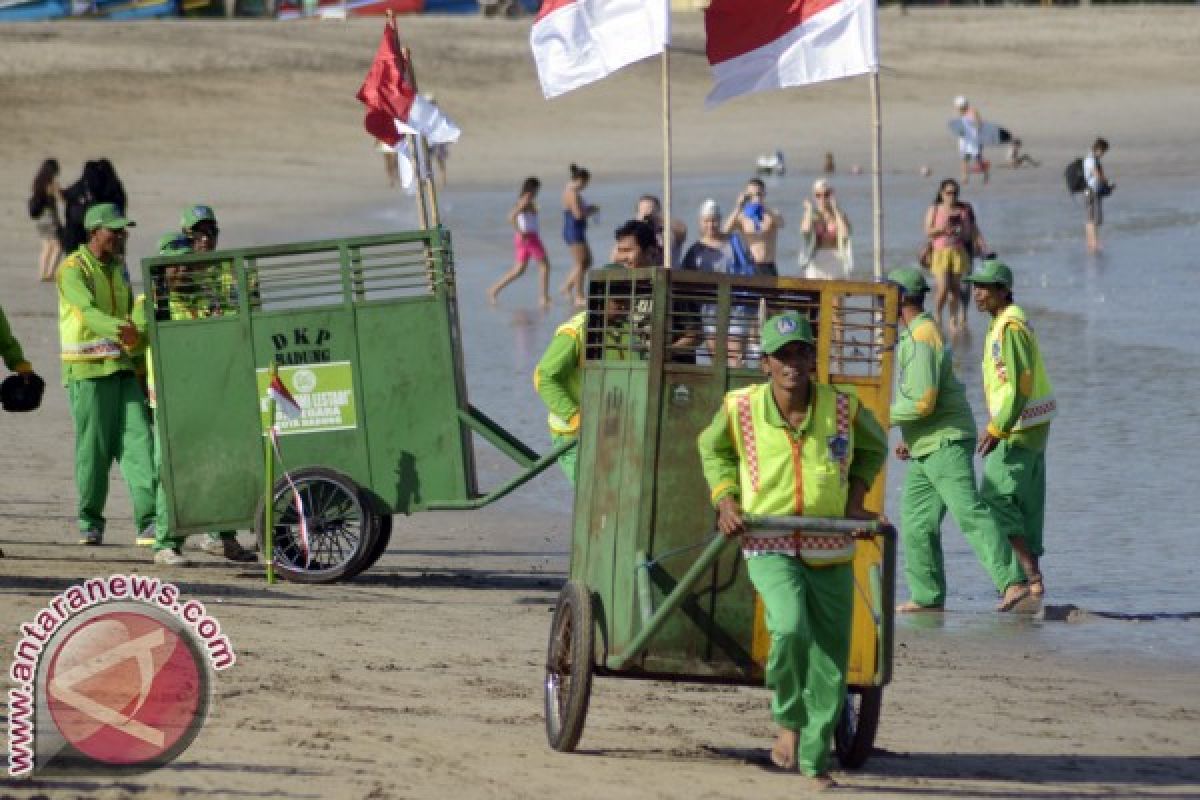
[
  {"x": 772, "y": 44},
  {"x": 393, "y": 105},
  {"x": 576, "y": 42},
  {"x": 283, "y": 398}
]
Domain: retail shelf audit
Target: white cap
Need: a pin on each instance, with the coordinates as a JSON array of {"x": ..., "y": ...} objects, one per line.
[
  {"x": 960, "y": 102},
  {"x": 709, "y": 209},
  {"x": 820, "y": 185}
]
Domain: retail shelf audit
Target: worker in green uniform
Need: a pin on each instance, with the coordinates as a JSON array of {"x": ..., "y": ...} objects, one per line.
[
  {"x": 99, "y": 343},
  {"x": 795, "y": 446},
  {"x": 558, "y": 377},
  {"x": 1021, "y": 403},
  {"x": 187, "y": 292},
  {"x": 10, "y": 349},
  {"x": 938, "y": 441}
]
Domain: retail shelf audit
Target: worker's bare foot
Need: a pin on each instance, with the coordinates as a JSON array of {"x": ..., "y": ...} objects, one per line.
[
  {"x": 1013, "y": 595},
  {"x": 1037, "y": 587},
  {"x": 822, "y": 782},
  {"x": 783, "y": 753},
  {"x": 910, "y": 607}
]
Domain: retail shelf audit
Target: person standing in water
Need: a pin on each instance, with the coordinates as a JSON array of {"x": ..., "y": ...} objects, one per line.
[
  {"x": 954, "y": 236},
  {"x": 576, "y": 212},
  {"x": 527, "y": 243},
  {"x": 825, "y": 249}
]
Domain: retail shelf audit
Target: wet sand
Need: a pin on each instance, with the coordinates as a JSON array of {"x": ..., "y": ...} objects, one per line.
[{"x": 422, "y": 678}]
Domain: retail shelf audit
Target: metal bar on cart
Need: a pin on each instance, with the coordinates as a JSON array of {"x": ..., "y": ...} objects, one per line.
[
  {"x": 533, "y": 471},
  {"x": 682, "y": 590},
  {"x": 499, "y": 438}
]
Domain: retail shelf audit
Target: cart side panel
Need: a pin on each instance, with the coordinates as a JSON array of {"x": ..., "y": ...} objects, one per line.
[
  {"x": 409, "y": 400},
  {"x": 212, "y": 460}
]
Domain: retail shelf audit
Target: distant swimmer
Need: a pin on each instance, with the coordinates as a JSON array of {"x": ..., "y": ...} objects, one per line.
[
  {"x": 576, "y": 213},
  {"x": 527, "y": 243},
  {"x": 970, "y": 139},
  {"x": 938, "y": 442},
  {"x": 1021, "y": 404}
]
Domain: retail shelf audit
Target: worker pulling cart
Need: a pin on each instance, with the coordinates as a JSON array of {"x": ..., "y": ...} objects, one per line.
[{"x": 650, "y": 593}]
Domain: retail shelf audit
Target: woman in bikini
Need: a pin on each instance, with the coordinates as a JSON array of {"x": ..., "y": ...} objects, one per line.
[
  {"x": 825, "y": 252},
  {"x": 576, "y": 212},
  {"x": 954, "y": 235},
  {"x": 527, "y": 243}
]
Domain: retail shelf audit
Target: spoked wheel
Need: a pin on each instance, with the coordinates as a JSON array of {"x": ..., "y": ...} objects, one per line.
[
  {"x": 854, "y": 738},
  {"x": 568, "y": 684},
  {"x": 339, "y": 520}
]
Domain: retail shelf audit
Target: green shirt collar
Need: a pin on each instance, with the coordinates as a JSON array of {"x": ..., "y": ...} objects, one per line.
[
  {"x": 906, "y": 330},
  {"x": 774, "y": 416}
]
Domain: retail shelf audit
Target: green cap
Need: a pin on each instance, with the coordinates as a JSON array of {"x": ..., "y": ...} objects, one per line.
[
  {"x": 196, "y": 214},
  {"x": 909, "y": 279},
  {"x": 105, "y": 215},
  {"x": 781, "y": 329},
  {"x": 174, "y": 244},
  {"x": 992, "y": 272}
]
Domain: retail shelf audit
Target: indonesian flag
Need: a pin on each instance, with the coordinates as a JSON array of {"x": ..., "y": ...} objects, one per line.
[
  {"x": 576, "y": 42},
  {"x": 393, "y": 105},
  {"x": 283, "y": 398},
  {"x": 770, "y": 44}
]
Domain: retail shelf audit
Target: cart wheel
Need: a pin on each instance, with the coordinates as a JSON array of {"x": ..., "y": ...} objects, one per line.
[
  {"x": 854, "y": 738},
  {"x": 382, "y": 540},
  {"x": 568, "y": 684},
  {"x": 341, "y": 522}
]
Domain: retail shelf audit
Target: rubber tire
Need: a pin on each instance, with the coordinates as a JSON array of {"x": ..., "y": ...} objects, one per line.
[
  {"x": 346, "y": 568},
  {"x": 382, "y": 540},
  {"x": 572, "y": 637},
  {"x": 854, "y": 737}
]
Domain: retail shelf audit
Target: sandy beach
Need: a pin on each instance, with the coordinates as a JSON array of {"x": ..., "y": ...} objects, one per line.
[{"x": 422, "y": 678}]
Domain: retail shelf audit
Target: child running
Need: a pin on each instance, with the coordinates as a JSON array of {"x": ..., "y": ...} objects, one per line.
[{"x": 527, "y": 244}]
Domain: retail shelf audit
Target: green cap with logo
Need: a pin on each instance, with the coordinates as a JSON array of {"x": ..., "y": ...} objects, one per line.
[
  {"x": 105, "y": 215},
  {"x": 174, "y": 244},
  {"x": 193, "y": 215},
  {"x": 781, "y": 329},
  {"x": 910, "y": 279},
  {"x": 992, "y": 272}
]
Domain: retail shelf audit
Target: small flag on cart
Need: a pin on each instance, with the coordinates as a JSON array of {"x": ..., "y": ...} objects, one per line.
[{"x": 284, "y": 400}]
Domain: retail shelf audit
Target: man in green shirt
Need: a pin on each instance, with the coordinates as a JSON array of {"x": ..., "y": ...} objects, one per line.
[
  {"x": 98, "y": 345},
  {"x": 938, "y": 432},
  {"x": 793, "y": 446},
  {"x": 1021, "y": 403}
]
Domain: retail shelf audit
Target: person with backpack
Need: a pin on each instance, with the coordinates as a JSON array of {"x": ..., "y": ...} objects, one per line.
[{"x": 1096, "y": 188}]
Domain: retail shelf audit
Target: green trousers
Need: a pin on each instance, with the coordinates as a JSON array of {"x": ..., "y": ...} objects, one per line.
[
  {"x": 1014, "y": 487},
  {"x": 569, "y": 461},
  {"x": 164, "y": 539},
  {"x": 940, "y": 481},
  {"x": 111, "y": 424},
  {"x": 808, "y": 614}
]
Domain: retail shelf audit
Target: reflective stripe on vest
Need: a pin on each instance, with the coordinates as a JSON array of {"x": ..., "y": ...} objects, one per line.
[
  {"x": 810, "y": 477},
  {"x": 1041, "y": 406},
  {"x": 111, "y": 295}
]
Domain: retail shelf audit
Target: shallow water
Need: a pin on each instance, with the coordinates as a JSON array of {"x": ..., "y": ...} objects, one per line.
[{"x": 1118, "y": 332}]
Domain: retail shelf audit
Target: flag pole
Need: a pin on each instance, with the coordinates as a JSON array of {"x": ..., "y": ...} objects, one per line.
[
  {"x": 877, "y": 172},
  {"x": 410, "y": 139},
  {"x": 424, "y": 165},
  {"x": 269, "y": 471},
  {"x": 668, "y": 220}
]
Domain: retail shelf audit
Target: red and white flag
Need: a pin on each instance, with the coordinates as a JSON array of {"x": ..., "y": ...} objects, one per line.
[
  {"x": 770, "y": 44},
  {"x": 393, "y": 105},
  {"x": 284, "y": 400},
  {"x": 576, "y": 42}
]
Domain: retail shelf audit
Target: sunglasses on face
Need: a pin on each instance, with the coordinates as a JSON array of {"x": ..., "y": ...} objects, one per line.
[{"x": 822, "y": 194}]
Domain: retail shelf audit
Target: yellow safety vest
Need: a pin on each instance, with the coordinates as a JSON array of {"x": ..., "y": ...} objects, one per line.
[
  {"x": 1041, "y": 406},
  {"x": 179, "y": 307},
  {"x": 805, "y": 472},
  {"x": 111, "y": 293}
]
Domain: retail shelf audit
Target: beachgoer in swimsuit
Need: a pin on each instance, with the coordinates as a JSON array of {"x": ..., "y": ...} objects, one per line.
[
  {"x": 825, "y": 250},
  {"x": 576, "y": 212},
  {"x": 951, "y": 227},
  {"x": 43, "y": 209},
  {"x": 527, "y": 243}
]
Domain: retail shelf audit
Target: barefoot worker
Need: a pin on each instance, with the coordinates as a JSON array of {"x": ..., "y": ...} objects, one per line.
[
  {"x": 938, "y": 432},
  {"x": 1020, "y": 404},
  {"x": 794, "y": 446}
]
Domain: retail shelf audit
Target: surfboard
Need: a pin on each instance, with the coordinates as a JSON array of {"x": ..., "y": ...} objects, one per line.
[{"x": 989, "y": 135}]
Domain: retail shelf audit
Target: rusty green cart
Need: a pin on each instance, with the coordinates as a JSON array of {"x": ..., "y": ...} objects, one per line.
[
  {"x": 649, "y": 595},
  {"x": 364, "y": 333}
]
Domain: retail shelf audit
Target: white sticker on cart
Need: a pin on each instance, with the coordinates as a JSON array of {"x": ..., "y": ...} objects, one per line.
[{"x": 324, "y": 392}]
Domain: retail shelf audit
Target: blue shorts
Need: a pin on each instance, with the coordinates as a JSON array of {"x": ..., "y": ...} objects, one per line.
[{"x": 574, "y": 230}]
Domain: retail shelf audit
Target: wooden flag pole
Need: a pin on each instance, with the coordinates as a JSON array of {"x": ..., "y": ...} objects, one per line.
[
  {"x": 877, "y": 173},
  {"x": 668, "y": 220},
  {"x": 424, "y": 166},
  {"x": 413, "y": 142}
]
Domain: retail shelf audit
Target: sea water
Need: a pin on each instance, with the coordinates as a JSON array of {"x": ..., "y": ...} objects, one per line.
[{"x": 1118, "y": 331}]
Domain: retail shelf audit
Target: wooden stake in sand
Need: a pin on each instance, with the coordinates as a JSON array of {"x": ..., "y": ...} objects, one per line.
[{"x": 668, "y": 224}]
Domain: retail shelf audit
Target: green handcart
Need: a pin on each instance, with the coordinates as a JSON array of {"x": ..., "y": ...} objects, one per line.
[
  {"x": 364, "y": 334},
  {"x": 642, "y": 599}
]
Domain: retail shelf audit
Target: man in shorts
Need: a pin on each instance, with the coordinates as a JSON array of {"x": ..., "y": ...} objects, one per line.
[{"x": 1098, "y": 188}]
